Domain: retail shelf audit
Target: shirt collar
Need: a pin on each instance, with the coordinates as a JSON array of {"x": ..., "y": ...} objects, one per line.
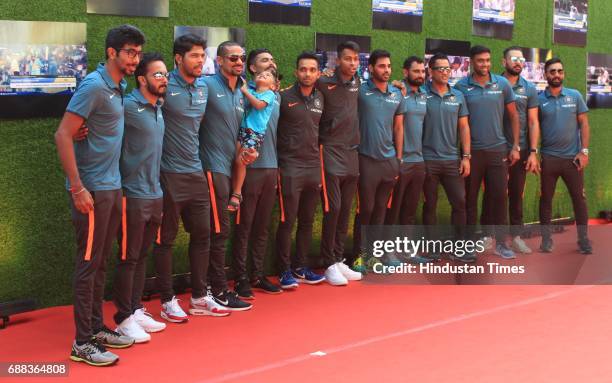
[
  {"x": 298, "y": 91},
  {"x": 181, "y": 81},
  {"x": 549, "y": 95},
  {"x": 225, "y": 81},
  {"x": 492, "y": 80},
  {"x": 137, "y": 94},
  {"x": 409, "y": 91},
  {"x": 339, "y": 80},
  {"x": 429, "y": 87},
  {"x": 373, "y": 87},
  {"x": 109, "y": 80}
]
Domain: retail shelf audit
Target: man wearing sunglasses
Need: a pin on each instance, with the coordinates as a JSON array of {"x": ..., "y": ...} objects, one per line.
[
  {"x": 184, "y": 184},
  {"x": 445, "y": 123},
  {"x": 565, "y": 152},
  {"x": 489, "y": 97},
  {"x": 527, "y": 107},
  {"x": 142, "y": 202},
  {"x": 259, "y": 196},
  {"x": 218, "y": 137},
  {"x": 94, "y": 182}
]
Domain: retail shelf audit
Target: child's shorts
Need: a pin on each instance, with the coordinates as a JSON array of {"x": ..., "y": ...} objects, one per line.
[{"x": 250, "y": 139}]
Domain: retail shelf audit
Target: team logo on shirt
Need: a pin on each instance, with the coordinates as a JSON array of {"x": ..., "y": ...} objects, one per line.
[
  {"x": 241, "y": 101},
  {"x": 494, "y": 86},
  {"x": 568, "y": 99},
  {"x": 317, "y": 103},
  {"x": 520, "y": 90},
  {"x": 452, "y": 98}
]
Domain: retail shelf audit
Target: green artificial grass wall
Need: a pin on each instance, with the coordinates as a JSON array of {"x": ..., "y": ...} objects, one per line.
[{"x": 36, "y": 236}]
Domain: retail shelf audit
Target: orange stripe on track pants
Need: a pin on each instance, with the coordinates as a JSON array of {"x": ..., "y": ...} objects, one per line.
[
  {"x": 213, "y": 202},
  {"x": 123, "y": 229},
  {"x": 325, "y": 200},
  {"x": 90, "y": 235}
]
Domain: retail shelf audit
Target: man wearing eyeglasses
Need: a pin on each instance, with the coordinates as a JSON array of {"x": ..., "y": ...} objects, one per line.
[
  {"x": 529, "y": 136},
  {"x": 259, "y": 196},
  {"x": 565, "y": 152},
  {"x": 489, "y": 97},
  {"x": 142, "y": 202},
  {"x": 184, "y": 184},
  {"x": 94, "y": 182},
  {"x": 445, "y": 123},
  {"x": 218, "y": 137}
]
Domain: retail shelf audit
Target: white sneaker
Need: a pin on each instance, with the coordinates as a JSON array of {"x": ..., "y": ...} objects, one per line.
[
  {"x": 207, "y": 306},
  {"x": 130, "y": 328},
  {"x": 349, "y": 274},
  {"x": 487, "y": 243},
  {"x": 520, "y": 246},
  {"x": 172, "y": 312},
  {"x": 146, "y": 321},
  {"x": 334, "y": 276}
]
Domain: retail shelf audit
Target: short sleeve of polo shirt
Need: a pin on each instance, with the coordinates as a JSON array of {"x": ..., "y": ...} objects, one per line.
[
  {"x": 582, "y": 108},
  {"x": 85, "y": 99},
  {"x": 268, "y": 96},
  {"x": 508, "y": 93},
  {"x": 463, "y": 108},
  {"x": 532, "y": 97},
  {"x": 402, "y": 107}
]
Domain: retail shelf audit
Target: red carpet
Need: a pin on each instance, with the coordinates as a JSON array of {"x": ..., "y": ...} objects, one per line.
[{"x": 366, "y": 332}]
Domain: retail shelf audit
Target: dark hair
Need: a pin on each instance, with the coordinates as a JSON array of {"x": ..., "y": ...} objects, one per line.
[
  {"x": 185, "y": 43},
  {"x": 347, "y": 45},
  {"x": 478, "y": 49},
  {"x": 118, "y": 37},
  {"x": 253, "y": 55},
  {"x": 307, "y": 55},
  {"x": 378, "y": 54},
  {"x": 438, "y": 56},
  {"x": 143, "y": 65},
  {"x": 554, "y": 60},
  {"x": 512, "y": 48},
  {"x": 223, "y": 47},
  {"x": 412, "y": 59}
]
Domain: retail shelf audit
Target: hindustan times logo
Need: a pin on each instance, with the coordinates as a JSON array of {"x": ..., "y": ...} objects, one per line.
[{"x": 404, "y": 245}]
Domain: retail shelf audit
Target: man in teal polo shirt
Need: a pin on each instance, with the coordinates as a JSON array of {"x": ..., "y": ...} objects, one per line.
[
  {"x": 489, "y": 97},
  {"x": 445, "y": 124},
  {"x": 565, "y": 151},
  {"x": 218, "y": 137},
  {"x": 142, "y": 203},
  {"x": 381, "y": 127},
  {"x": 185, "y": 188},
  {"x": 93, "y": 180},
  {"x": 407, "y": 191},
  {"x": 259, "y": 195},
  {"x": 527, "y": 107}
]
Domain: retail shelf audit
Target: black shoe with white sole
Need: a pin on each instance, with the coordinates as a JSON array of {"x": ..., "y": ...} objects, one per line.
[{"x": 230, "y": 301}]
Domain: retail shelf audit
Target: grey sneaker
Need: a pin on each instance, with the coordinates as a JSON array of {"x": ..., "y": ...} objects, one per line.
[
  {"x": 520, "y": 246},
  {"x": 92, "y": 353},
  {"x": 113, "y": 339}
]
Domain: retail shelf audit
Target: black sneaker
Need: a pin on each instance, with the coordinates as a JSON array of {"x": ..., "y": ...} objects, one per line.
[
  {"x": 230, "y": 301},
  {"x": 92, "y": 353},
  {"x": 585, "y": 247},
  {"x": 546, "y": 246},
  {"x": 263, "y": 284},
  {"x": 243, "y": 289}
]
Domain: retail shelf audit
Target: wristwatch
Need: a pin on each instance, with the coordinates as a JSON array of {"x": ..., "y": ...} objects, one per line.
[
  {"x": 534, "y": 150},
  {"x": 467, "y": 155},
  {"x": 585, "y": 151}
]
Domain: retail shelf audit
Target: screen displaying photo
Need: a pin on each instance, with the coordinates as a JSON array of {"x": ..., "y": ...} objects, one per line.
[
  {"x": 325, "y": 47},
  {"x": 41, "y": 64},
  {"x": 534, "y": 66},
  {"x": 599, "y": 86},
  {"x": 397, "y": 15},
  {"x": 151, "y": 8},
  {"x": 570, "y": 22},
  {"x": 213, "y": 36},
  {"x": 493, "y": 18},
  {"x": 458, "y": 53},
  {"x": 280, "y": 11}
]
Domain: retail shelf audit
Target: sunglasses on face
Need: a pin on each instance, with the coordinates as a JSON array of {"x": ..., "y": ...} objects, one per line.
[
  {"x": 515, "y": 59},
  {"x": 161, "y": 75},
  {"x": 442, "y": 68},
  {"x": 132, "y": 53},
  {"x": 234, "y": 58}
]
